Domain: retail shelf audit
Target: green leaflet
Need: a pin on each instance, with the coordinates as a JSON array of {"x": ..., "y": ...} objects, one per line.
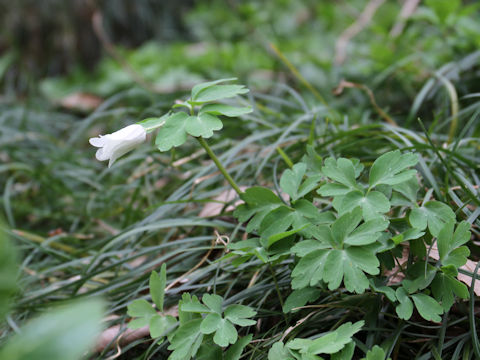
[
  {"x": 199, "y": 87},
  {"x": 173, "y": 132},
  {"x": 279, "y": 351},
  {"x": 259, "y": 201},
  {"x": 375, "y": 353},
  {"x": 391, "y": 168},
  {"x": 300, "y": 297},
  {"x": 142, "y": 311},
  {"x": 157, "y": 286},
  {"x": 203, "y": 125},
  {"x": 186, "y": 340},
  {"x": 445, "y": 287},
  {"x": 222, "y": 327},
  {"x": 226, "y": 110},
  {"x": 327, "y": 344},
  {"x": 427, "y": 307},
  {"x": 150, "y": 124},
  {"x": 433, "y": 214},
  {"x": 341, "y": 171},
  {"x": 373, "y": 204},
  {"x": 404, "y": 309},
  {"x": 211, "y": 91},
  {"x": 450, "y": 243},
  {"x": 341, "y": 253},
  {"x": 291, "y": 181}
]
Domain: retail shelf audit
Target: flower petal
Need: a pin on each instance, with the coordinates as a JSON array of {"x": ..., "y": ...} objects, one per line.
[
  {"x": 101, "y": 155},
  {"x": 130, "y": 132},
  {"x": 98, "y": 141}
]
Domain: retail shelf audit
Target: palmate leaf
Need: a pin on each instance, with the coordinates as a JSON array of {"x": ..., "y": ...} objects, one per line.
[
  {"x": 222, "y": 327},
  {"x": 300, "y": 297},
  {"x": 291, "y": 181},
  {"x": 450, "y": 244},
  {"x": 235, "y": 351},
  {"x": 327, "y": 344},
  {"x": 427, "y": 307},
  {"x": 211, "y": 91},
  {"x": 373, "y": 204},
  {"x": 173, "y": 132},
  {"x": 278, "y": 351},
  {"x": 142, "y": 311},
  {"x": 375, "y": 353},
  {"x": 419, "y": 277},
  {"x": 159, "y": 325},
  {"x": 333, "y": 265},
  {"x": 391, "y": 168},
  {"x": 342, "y": 251},
  {"x": 433, "y": 214},
  {"x": 445, "y": 287},
  {"x": 202, "y": 86},
  {"x": 404, "y": 309},
  {"x": 342, "y": 171},
  {"x": 186, "y": 340},
  {"x": 259, "y": 201},
  {"x": 203, "y": 125}
]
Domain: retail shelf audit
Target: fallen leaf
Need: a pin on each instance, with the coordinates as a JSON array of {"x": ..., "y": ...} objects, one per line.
[
  {"x": 81, "y": 101},
  {"x": 215, "y": 208}
]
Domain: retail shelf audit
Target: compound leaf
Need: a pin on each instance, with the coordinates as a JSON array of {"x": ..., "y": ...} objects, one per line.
[
  {"x": 173, "y": 132},
  {"x": 203, "y": 125},
  {"x": 433, "y": 214},
  {"x": 427, "y": 307}
]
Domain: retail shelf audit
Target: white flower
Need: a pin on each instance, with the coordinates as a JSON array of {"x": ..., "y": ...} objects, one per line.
[{"x": 114, "y": 145}]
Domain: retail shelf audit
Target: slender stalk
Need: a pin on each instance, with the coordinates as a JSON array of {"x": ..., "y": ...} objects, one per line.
[{"x": 220, "y": 167}]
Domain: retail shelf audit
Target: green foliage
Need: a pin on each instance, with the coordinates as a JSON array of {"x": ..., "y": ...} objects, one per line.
[
  {"x": 331, "y": 343},
  {"x": 61, "y": 334},
  {"x": 433, "y": 214},
  {"x": 83, "y": 229},
  {"x": 8, "y": 272},
  {"x": 222, "y": 327},
  {"x": 157, "y": 286},
  {"x": 175, "y": 127},
  {"x": 375, "y": 353}
]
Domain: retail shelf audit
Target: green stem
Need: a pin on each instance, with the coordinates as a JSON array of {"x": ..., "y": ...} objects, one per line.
[{"x": 220, "y": 167}]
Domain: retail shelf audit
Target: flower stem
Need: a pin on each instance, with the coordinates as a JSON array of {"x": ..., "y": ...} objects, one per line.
[{"x": 220, "y": 167}]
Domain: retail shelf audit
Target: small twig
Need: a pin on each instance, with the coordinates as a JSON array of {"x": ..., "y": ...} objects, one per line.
[
  {"x": 299, "y": 322},
  {"x": 177, "y": 280},
  {"x": 362, "y": 21},
  {"x": 408, "y": 8},
  {"x": 297, "y": 74},
  {"x": 348, "y": 84}
]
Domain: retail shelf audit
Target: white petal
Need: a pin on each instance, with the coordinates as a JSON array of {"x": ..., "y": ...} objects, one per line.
[
  {"x": 97, "y": 141},
  {"x": 130, "y": 132},
  {"x": 101, "y": 155}
]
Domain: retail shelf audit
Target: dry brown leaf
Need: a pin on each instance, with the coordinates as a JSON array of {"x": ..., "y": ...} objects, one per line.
[
  {"x": 126, "y": 336},
  {"x": 396, "y": 273},
  {"x": 81, "y": 101},
  {"x": 215, "y": 208}
]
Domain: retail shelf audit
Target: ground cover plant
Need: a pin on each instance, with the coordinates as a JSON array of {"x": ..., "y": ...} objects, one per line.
[{"x": 280, "y": 219}]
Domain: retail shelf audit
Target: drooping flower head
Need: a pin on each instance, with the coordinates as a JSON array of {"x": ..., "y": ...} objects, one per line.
[{"x": 112, "y": 146}]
